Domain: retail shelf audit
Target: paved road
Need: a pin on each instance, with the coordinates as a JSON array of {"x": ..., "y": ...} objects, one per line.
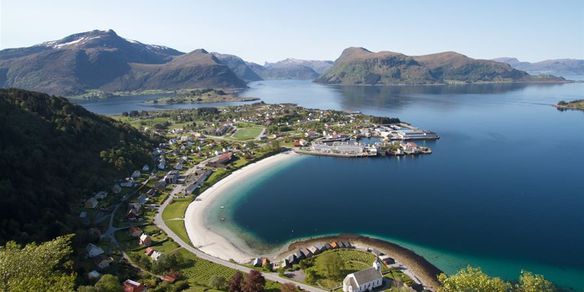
[{"x": 269, "y": 276}]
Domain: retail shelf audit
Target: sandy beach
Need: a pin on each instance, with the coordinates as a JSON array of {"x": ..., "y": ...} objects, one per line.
[
  {"x": 217, "y": 245},
  {"x": 206, "y": 239}
]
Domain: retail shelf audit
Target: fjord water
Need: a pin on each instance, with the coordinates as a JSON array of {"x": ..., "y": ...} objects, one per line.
[
  {"x": 119, "y": 104},
  {"x": 503, "y": 189}
]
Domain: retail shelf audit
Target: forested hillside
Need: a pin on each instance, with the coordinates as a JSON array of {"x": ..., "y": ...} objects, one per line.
[{"x": 54, "y": 154}]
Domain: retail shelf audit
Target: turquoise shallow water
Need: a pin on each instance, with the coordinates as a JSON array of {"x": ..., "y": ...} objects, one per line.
[{"x": 503, "y": 189}]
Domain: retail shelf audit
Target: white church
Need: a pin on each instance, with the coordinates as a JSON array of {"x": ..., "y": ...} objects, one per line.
[{"x": 365, "y": 280}]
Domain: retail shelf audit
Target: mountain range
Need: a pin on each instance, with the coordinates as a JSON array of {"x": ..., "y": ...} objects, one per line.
[
  {"x": 359, "y": 66},
  {"x": 103, "y": 61},
  {"x": 285, "y": 69},
  {"x": 558, "y": 67}
]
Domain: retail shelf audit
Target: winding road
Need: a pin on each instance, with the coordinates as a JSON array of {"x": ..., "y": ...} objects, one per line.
[{"x": 159, "y": 222}]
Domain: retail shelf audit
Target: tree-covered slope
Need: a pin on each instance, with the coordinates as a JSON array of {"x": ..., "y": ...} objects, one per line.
[{"x": 53, "y": 155}]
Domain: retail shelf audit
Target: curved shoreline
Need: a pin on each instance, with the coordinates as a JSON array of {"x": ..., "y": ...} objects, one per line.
[
  {"x": 210, "y": 241},
  {"x": 217, "y": 245}
]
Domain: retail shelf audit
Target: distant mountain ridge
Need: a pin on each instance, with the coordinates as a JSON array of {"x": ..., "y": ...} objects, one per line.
[
  {"x": 285, "y": 69},
  {"x": 319, "y": 66},
  {"x": 559, "y": 67},
  {"x": 359, "y": 66},
  {"x": 103, "y": 60}
]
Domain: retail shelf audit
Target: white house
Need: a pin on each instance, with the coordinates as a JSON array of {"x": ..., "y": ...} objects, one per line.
[
  {"x": 136, "y": 174},
  {"x": 93, "y": 250},
  {"x": 155, "y": 255},
  {"x": 145, "y": 239},
  {"x": 365, "y": 280},
  {"x": 93, "y": 275},
  {"x": 103, "y": 261}
]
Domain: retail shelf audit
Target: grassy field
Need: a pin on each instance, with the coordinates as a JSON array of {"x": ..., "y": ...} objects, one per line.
[
  {"x": 176, "y": 209},
  {"x": 178, "y": 227},
  {"x": 353, "y": 261},
  {"x": 247, "y": 133},
  {"x": 174, "y": 215},
  {"x": 202, "y": 270}
]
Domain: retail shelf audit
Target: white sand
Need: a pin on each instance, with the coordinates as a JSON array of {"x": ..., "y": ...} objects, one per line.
[{"x": 206, "y": 239}]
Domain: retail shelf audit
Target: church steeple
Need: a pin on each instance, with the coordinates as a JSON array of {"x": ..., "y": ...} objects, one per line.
[{"x": 377, "y": 264}]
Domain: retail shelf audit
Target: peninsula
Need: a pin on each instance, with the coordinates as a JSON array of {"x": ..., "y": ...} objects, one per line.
[
  {"x": 571, "y": 105},
  {"x": 207, "y": 95}
]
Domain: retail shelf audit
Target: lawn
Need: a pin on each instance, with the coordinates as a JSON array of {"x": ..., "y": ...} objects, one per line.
[
  {"x": 178, "y": 227},
  {"x": 173, "y": 216},
  {"x": 176, "y": 209},
  {"x": 247, "y": 133},
  {"x": 399, "y": 276},
  {"x": 353, "y": 261}
]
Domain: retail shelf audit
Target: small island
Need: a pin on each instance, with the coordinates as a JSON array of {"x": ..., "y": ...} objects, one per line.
[
  {"x": 206, "y": 95},
  {"x": 571, "y": 105}
]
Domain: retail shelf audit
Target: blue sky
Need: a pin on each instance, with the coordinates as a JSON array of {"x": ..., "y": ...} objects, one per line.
[{"x": 273, "y": 30}]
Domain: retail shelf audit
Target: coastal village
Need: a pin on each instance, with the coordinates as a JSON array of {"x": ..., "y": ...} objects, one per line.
[{"x": 137, "y": 227}]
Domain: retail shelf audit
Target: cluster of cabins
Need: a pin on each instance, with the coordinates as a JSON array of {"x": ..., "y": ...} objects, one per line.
[
  {"x": 313, "y": 250},
  {"x": 144, "y": 240},
  {"x": 135, "y": 208},
  {"x": 98, "y": 256}
]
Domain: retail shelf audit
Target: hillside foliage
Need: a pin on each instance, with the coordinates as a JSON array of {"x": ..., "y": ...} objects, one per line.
[{"x": 54, "y": 154}]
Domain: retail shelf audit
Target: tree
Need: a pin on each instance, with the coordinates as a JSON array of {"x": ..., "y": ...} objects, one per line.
[
  {"x": 34, "y": 267},
  {"x": 305, "y": 264},
  {"x": 529, "y": 282},
  {"x": 86, "y": 289},
  {"x": 217, "y": 282},
  {"x": 167, "y": 263},
  {"x": 254, "y": 282},
  {"x": 288, "y": 287},
  {"x": 235, "y": 282},
  {"x": 310, "y": 276},
  {"x": 282, "y": 272},
  {"x": 275, "y": 145},
  {"x": 331, "y": 265},
  {"x": 472, "y": 279},
  {"x": 108, "y": 283}
]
